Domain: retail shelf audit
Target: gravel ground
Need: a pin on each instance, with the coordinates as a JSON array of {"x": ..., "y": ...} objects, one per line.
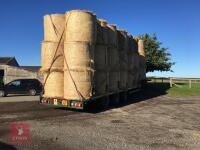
[
  {"x": 20, "y": 98},
  {"x": 145, "y": 122}
]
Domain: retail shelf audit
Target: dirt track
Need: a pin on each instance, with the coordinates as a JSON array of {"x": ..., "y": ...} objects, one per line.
[{"x": 144, "y": 123}]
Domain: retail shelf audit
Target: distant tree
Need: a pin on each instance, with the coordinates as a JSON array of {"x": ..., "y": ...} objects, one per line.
[{"x": 157, "y": 57}]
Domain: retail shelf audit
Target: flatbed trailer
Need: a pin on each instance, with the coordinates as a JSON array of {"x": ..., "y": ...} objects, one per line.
[{"x": 81, "y": 104}]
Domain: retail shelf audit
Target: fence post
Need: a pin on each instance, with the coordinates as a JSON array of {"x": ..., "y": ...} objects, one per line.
[
  {"x": 190, "y": 84},
  {"x": 170, "y": 81}
]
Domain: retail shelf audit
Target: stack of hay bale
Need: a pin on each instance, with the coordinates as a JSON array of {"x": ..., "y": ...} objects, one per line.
[
  {"x": 52, "y": 57},
  {"x": 79, "y": 46},
  {"x": 83, "y": 57}
]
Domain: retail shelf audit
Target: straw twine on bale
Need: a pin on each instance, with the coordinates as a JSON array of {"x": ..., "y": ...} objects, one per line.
[
  {"x": 52, "y": 57},
  {"x": 53, "y": 27},
  {"x": 79, "y": 55},
  {"x": 81, "y": 26},
  {"x": 90, "y": 48},
  {"x": 54, "y": 84},
  {"x": 84, "y": 84}
]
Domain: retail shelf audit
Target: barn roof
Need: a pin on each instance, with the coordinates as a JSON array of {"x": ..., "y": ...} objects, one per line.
[{"x": 6, "y": 60}]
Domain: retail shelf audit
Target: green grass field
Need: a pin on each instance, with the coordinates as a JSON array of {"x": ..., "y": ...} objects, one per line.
[
  {"x": 184, "y": 90},
  {"x": 181, "y": 90}
]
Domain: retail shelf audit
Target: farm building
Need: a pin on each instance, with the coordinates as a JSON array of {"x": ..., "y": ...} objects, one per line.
[{"x": 10, "y": 70}]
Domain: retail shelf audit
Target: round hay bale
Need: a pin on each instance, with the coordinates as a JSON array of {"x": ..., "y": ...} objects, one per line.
[
  {"x": 54, "y": 83},
  {"x": 53, "y": 27},
  {"x": 123, "y": 40},
  {"x": 130, "y": 54},
  {"x": 142, "y": 65},
  {"x": 100, "y": 82},
  {"x": 113, "y": 81},
  {"x": 78, "y": 84},
  {"x": 52, "y": 55},
  {"x": 80, "y": 26},
  {"x": 78, "y": 55},
  {"x": 113, "y": 59},
  {"x": 103, "y": 22},
  {"x": 123, "y": 79},
  {"x": 112, "y": 36},
  {"x": 137, "y": 69},
  {"x": 102, "y": 35},
  {"x": 134, "y": 47},
  {"x": 80, "y": 38},
  {"x": 141, "y": 47},
  {"x": 100, "y": 57}
]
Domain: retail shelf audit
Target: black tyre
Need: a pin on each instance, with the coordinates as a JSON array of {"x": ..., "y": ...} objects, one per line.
[
  {"x": 32, "y": 92},
  {"x": 2, "y": 93}
]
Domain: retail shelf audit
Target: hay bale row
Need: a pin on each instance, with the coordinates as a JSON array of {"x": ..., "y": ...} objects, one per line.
[{"x": 84, "y": 57}]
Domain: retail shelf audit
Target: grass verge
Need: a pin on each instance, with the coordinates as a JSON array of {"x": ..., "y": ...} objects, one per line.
[{"x": 180, "y": 90}]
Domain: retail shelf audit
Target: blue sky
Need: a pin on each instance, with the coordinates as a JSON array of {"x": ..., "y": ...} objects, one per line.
[{"x": 176, "y": 23}]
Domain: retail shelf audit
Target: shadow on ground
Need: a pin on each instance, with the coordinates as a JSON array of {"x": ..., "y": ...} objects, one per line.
[
  {"x": 4, "y": 146},
  {"x": 150, "y": 90}
]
